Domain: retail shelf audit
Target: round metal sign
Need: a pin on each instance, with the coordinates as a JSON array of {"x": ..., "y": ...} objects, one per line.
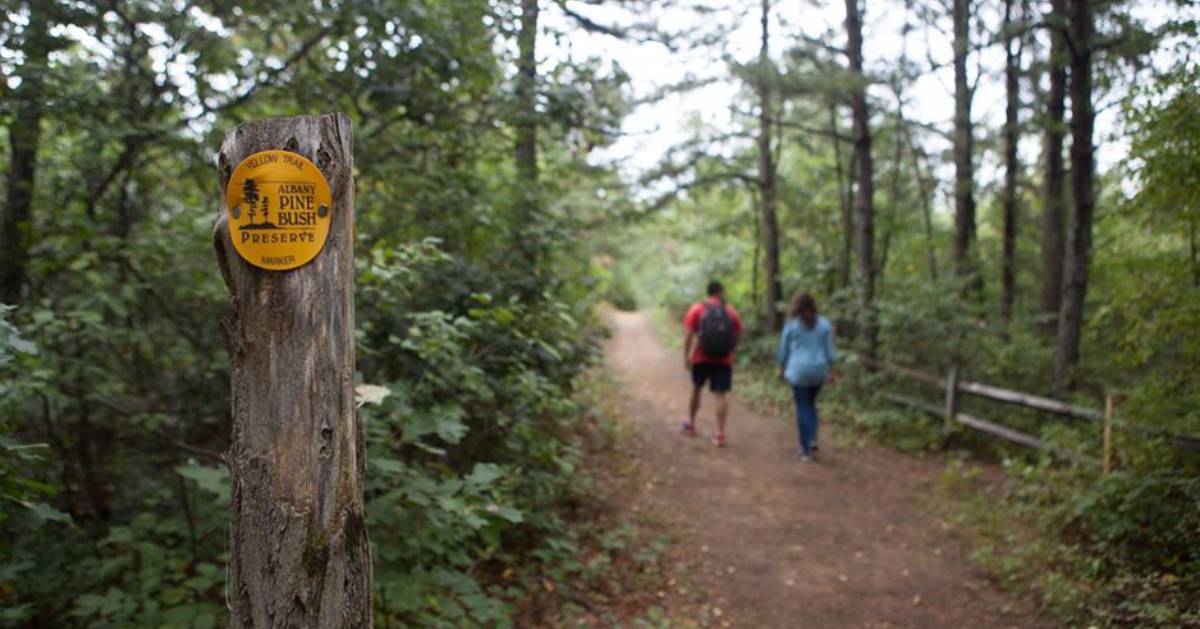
[{"x": 278, "y": 204}]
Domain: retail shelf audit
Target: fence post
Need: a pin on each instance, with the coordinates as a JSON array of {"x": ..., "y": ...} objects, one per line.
[
  {"x": 951, "y": 399},
  {"x": 1109, "y": 448},
  {"x": 299, "y": 555}
]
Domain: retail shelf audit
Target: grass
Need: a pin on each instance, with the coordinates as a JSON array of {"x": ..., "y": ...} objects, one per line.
[
  {"x": 1030, "y": 533},
  {"x": 1009, "y": 543}
]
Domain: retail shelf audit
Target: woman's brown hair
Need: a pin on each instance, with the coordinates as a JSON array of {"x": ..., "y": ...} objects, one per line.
[{"x": 804, "y": 307}]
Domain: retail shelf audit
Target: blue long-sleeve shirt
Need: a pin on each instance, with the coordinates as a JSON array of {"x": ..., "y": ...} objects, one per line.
[{"x": 806, "y": 354}]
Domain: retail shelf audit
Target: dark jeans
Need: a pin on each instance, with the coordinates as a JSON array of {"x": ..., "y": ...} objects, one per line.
[{"x": 806, "y": 415}]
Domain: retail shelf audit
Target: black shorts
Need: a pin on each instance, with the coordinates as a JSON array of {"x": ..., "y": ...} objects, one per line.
[{"x": 719, "y": 377}]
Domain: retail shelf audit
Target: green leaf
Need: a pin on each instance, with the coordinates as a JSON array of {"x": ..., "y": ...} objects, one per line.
[
  {"x": 214, "y": 480},
  {"x": 46, "y": 513},
  {"x": 22, "y": 346},
  {"x": 482, "y": 476},
  {"x": 386, "y": 466}
]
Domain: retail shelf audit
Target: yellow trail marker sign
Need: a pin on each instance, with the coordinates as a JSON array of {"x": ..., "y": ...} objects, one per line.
[{"x": 279, "y": 205}]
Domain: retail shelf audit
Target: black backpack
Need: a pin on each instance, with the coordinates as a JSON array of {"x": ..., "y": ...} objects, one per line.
[{"x": 716, "y": 331}]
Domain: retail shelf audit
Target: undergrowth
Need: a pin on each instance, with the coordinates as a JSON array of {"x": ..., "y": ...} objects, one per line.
[
  {"x": 1064, "y": 537},
  {"x": 604, "y": 570}
]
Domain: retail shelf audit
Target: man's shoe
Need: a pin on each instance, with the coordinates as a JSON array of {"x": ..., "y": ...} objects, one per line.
[
  {"x": 719, "y": 441},
  {"x": 689, "y": 429}
]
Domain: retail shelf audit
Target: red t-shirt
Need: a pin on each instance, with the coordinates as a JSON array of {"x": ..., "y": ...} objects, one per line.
[{"x": 691, "y": 322}]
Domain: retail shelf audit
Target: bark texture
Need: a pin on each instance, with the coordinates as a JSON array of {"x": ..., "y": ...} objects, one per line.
[
  {"x": 1053, "y": 237},
  {"x": 1012, "y": 131},
  {"x": 846, "y": 202},
  {"x": 766, "y": 178},
  {"x": 24, "y": 133},
  {"x": 964, "y": 149},
  {"x": 526, "y": 92},
  {"x": 926, "y": 188},
  {"x": 298, "y": 540},
  {"x": 864, "y": 178},
  {"x": 1083, "y": 195},
  {"x": 525, "y": 120}
]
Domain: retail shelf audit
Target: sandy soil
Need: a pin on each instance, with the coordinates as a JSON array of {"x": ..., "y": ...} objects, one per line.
[{"x": 762, "y": 540}]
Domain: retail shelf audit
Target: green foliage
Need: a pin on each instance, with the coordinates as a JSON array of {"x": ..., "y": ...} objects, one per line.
[
  {"x": 1115, "y": 551},
  {"x": 111, "y": 483},
  {"x": 17, "y": 490},
  {"x": 470, "y": 446},
  {"x": 113, "y": 396}
]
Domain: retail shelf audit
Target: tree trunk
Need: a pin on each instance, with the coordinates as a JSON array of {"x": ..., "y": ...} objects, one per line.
[
  {"x": 526, "y": 92},
  {"x": 864, "y": 176},
  {"x": 846, "y": 255},
  {"x": 766, "y": 179},
  {"x": 926, "y": 186},
  {"x": 527, "y": 198},
  {"x": 925, "y": 189},
  {"x": 964, "y": 141},
  {"x": 1012, "y": 86},
  {"x": 1083, "y": 195},
  {"x": 757, "y": 248},
  {"x": 24, "y": 133},
  {"x": 298, "y": 541},
  {"x": 1053, "y": 238},
  {"x": 889, "y": 224}
]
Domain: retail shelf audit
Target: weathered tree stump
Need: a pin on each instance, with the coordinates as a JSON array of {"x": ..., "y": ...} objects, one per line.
[{"x": 298, "y": 542}]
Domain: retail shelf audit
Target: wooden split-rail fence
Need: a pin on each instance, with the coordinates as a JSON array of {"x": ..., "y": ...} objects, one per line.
[{"x": 955, "y": 386}]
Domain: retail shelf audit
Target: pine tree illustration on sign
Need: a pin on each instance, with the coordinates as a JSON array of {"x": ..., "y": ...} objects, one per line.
[{"x": 250, "y": 196}]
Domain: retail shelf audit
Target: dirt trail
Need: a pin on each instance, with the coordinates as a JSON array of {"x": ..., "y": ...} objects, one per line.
[{"x": 846, "y": 542}]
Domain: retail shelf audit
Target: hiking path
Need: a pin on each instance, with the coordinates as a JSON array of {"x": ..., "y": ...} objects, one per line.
[{"x": 761, "y": 540}]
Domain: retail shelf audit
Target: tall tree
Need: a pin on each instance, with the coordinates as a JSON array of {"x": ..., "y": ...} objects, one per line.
[
  {"x": 863, "y": 175},
  {"x": 925, "y": 188},
  {"x": 24, "y": 137},
  {"x": 923, "y": 180},
  {"x": 766, "y": 174},
  {"x": 845, "y": 201},
  {"x": 1083, "y": 192},
  {"x": 1013, "y": 47},
  {"x": 526, "y": 109},
  {"x": 964, "y": 147},
  {"x": 1052, "y": 163}
]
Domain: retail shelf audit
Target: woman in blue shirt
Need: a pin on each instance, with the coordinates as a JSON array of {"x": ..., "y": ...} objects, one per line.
[{"x": 806, "y": 358}]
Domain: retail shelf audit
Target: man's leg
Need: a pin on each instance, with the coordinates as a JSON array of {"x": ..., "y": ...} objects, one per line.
[
  {"x": 698, "y": 378},
  {"x": 722, "y": 382},
  {"x": 722, "y": 411}
]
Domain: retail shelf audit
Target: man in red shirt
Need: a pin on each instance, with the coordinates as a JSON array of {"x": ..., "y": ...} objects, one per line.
[{"x": 717, "y": 327}]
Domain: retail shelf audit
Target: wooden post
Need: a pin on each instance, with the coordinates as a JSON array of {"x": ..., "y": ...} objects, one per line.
[
  {"x": 951, "y": 399},
  {"x": 1109, "y": 452},
  {"x": 298, "y": 541}
]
